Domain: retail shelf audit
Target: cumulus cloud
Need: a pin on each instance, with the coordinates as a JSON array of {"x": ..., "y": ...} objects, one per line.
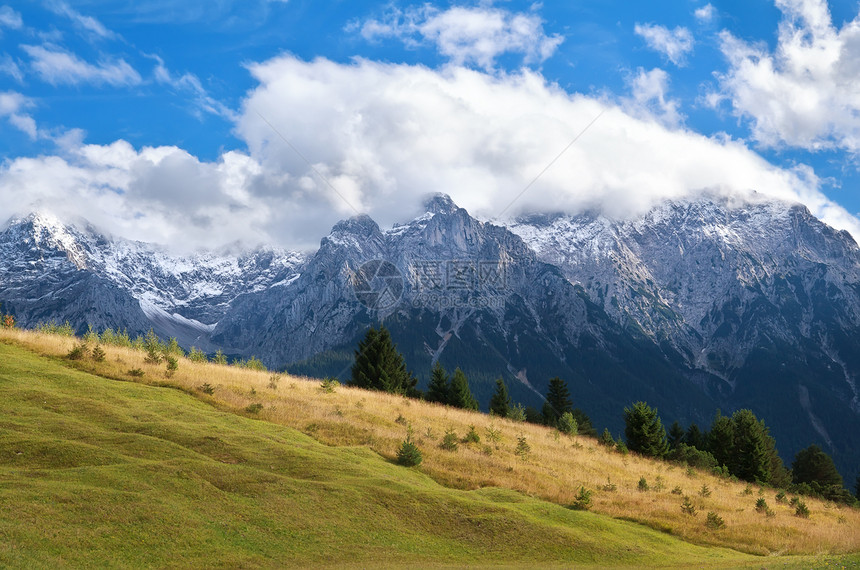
[
  {"x": 58, "y": 66},
  {"x": 160, "y": 194},
  {"x": 706, "y": 13},
  {"x": 9, "y": 18},
  {"x": 12, "y": 107},
  {"x": 385, "y": 135},
  {"x": 805, "y": 93},
  {"x": 649, "y": 91},
  {"x": 397, "y": 132},
  {"x": 467, "y": 36},
  {"x": 673, "y": 44}
]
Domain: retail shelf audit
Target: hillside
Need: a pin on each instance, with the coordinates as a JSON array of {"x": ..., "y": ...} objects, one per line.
[{"x": 97, "y": 471}]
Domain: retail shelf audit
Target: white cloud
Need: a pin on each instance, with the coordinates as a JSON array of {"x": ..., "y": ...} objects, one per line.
[
  {"x": 12, "y": 107},
  {"x": 191, "y": 83},
  {"x": 398, "y": 132},
  {"x": 649, "y": 95},
  {"x": 706, "y": 13},
  {"x": 10, "y": 67},
  {"x": 806, "y": 93},
  {"x": 673, "y": 44},
  {"x": 158, "y": 194},
  {"x": 88, "y": 24},
  {"x": 384, "y": 136},
  {"x": 58, "y": 66},
  {"x": 467, "y": 36},
  {"x": 9, "y": 18}
]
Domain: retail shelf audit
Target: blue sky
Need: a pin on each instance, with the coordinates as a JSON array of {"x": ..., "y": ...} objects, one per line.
[{"x": 210, "y": 123}]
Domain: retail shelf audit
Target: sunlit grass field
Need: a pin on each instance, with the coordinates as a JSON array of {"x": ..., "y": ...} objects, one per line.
[{"x": 132, "y": 473}]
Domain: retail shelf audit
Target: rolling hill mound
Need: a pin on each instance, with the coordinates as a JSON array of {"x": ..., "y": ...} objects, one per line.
[{"x": 100, "y": 472}]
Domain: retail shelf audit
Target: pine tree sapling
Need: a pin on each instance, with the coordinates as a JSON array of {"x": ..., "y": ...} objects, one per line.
[
  {"x": 449, "y": 441},
  {"x": 99, "y": 353},
  {"x": 643, "y": 484},
  {"x": 220, "y": 358},
  {"x": 78, "y": 352},
  {"x": 153, "y": 355},
  {"x": 607, "y": 439},
  {"x": 688, "y": 507},
  {"x": 715, "y": 522},
  {"x": 567, "y": 424},
  {"x": 494, "y": 436},
  {"x": 644, "y": 430},
  {"x": 197, "y": 355},
  {"x": 517, "y": 413},
  {"x": 409, "y": 455},
  {"x": 172, "y": 365},
  {"x": 472, "y": 436},
  {"x": 329, "y": 385},
  {"x": 500, "y": 402},
  {"x": 523, "y": 448},
  {"x": 582, "y": 502}
]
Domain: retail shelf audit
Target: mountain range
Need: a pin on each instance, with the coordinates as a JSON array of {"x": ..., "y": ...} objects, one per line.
[{"x": 700, "y": 304}]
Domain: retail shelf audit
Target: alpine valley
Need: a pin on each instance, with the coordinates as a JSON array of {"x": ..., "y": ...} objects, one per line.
[{"x": 701, "y": 304}]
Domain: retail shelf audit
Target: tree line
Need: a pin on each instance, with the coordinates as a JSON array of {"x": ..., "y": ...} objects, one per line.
[{"x": 738, "y": 446}]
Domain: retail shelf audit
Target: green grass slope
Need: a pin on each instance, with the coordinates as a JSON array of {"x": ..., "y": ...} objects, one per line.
[{"x": 96, "y": 472}]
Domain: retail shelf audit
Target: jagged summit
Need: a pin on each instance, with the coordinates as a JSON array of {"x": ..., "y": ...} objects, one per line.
[
  {"x": 440, "y": 203},
  {"x": 361, "y": 224}
]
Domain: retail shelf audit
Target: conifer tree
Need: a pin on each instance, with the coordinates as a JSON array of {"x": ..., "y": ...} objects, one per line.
[
  {"x": 461, "y": 395},
  {"x": 583, "y": 423},
  {"x": 379, "y": 366},
  {"x": 439, "y": 389},
  {"x": 644, "y": 430},
  {"x": 676, "y": 435},
  {"x": 749, "y": 460},
  {"x": 721, "y": 439},
  {"x": 557, "y": 402},
  {"x": 500, "y": 403},
  {"x": 812, "y": 465},
  {"x": 695, "y": 438},
  {"x": 857, "y": 487}
]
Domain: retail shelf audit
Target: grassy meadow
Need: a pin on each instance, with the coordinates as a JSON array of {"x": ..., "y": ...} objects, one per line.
[{"x": 101, "y": 467}]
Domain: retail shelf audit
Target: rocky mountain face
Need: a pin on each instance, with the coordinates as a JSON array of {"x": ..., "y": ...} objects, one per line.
[
  {"x": 51, "y": 270},
  {"x": 697, "y": 305}
]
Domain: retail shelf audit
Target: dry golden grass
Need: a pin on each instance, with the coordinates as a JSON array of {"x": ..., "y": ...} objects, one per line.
[{"x": 554, "y": 469}]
